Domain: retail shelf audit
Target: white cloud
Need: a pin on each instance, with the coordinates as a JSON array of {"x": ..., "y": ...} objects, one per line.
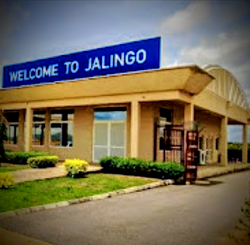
[
  {"x": 229, "y": 50},
  {"x": 195, "y": 14},
  {"x": 224, "y": 48}
]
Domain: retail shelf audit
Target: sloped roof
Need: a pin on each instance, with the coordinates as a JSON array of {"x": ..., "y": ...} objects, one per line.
[{"x": 226, "y": 86}]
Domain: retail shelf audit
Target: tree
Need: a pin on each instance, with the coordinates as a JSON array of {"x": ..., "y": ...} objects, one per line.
[{"x": 3, "y": 136}]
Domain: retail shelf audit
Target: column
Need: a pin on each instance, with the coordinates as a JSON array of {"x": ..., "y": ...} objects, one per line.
[
  {"x": 189, "y": 112},
  {"x": 135, "y": 124},
  {"x": 244, "y": 144},
  {"x": 28, "y": 132},
  {"x": 223, "y": 141},
  {"x": 214, "y": 151},
  {"x": 47, "y": 129},
  {"x": 21, "y": 137}
]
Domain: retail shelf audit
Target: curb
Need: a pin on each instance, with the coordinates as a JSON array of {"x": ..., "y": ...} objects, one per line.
[{"x": 86, "y": 199}]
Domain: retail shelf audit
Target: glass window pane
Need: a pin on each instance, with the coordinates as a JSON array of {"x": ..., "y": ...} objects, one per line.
[
  {"x": 13, "y": 134},
  {"x": 100, "y": 152},
  {"x": 62, "y": 127},
  {"x": 12, "y": 116},
  {"x": 101, "y": 134},
  {"x": 56, "y": 117},
  {"x": 110, "y": 115},
  {"x": 165, "y": 116},
  {"x": 117, "y": 134},
  {"x": 62, "y": 115},
  {"x": 117, "y": 152},
  {"x": 38, "y": 116},
  {"x": 70, "y": 135},
  {"x": 55, "y": 137},
  {"x": 38, "y": 134}
]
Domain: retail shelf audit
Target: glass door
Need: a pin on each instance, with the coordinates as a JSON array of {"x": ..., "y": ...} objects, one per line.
[{"x": 109, "y": 133}]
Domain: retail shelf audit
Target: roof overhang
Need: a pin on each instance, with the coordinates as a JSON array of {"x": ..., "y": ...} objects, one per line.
[{"x": 189, "y": 79}]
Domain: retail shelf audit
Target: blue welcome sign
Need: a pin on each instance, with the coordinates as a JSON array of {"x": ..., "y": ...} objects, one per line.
[{"x": 122, "y": 58}]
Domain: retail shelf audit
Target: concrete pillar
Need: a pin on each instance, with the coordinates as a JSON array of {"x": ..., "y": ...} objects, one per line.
[
  {"x": 47, "y": 129},
  {"x": 213, "y": 155},
  {"x": 223, "y": 141},
  {"x": 135, "y": 127},
  {"x": 189, "y": 112},
  {"x": 28, "y": 133},
  {"x": 21, "y": 137},
  {"x": 244, "y": 144}
]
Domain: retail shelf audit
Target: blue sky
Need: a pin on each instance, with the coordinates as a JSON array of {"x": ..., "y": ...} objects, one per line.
[{"x": 193, "y": 32}]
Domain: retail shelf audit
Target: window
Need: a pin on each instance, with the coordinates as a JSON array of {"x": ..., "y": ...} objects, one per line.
[
  {"x": 38, "y": 130},
  {"x": 201, "y": 143},
  {"x": 217, "y": 142},
  {"x": 12, "y": 127},
  {"x": 61, "y": 128},
  {"x": 164, "y": 119}
]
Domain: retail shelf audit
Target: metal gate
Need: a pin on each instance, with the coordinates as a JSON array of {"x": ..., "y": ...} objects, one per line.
[{"x": 178, "y": 143}]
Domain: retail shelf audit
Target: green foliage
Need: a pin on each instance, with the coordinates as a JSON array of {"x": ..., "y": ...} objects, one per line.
[
  {"x": 134, "y": 166},
  {"x": 3, "y": 137},
  {"x": 75, "y": 167},
  {"x": 22, "y": 156},
  {"x": 34, "y": 193},
  {"x": 6, "y": 180},
  {"x": 236, "y": 146},
  {"x": 43, "y": 161}
]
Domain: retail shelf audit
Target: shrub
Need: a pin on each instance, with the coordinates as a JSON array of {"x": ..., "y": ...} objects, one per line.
[
  {"x": 43, "y": 161},
  {"x": 134, "y": 166},
  {"x": 75, "y": 167},
  {"x": 22, "y": 156},
  {"x": 6, "y": 180}
]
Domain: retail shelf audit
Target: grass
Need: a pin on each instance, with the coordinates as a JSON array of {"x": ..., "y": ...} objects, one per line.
[
  {"x": 41, "y": 192},
  {"x": 8, "y": 167}
]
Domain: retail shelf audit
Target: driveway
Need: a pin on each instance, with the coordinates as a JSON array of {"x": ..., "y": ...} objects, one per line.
[{"x": 172, "y": 215}]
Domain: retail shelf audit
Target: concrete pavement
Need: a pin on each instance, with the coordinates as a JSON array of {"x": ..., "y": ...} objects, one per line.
[
  {"x": 174, "y": 215},
  {"x": 46, "y": 173}
]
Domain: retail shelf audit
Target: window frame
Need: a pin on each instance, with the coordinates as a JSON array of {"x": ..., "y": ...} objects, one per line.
[
  {"x": 61, "y": 122},
  {"x": 8, "y": 127},
  {"x": 38, "y": 123}
]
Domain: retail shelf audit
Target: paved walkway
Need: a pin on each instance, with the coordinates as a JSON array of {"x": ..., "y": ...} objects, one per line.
[
  {"x": 59, "y": 171},
  {"x": 46, "y": 173}
]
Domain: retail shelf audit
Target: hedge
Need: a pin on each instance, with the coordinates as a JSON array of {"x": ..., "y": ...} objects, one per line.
[
  {"x": 43, "y": 161},
  {"x": 22, "y": 156},
  {"x": 134, "y": 166}
]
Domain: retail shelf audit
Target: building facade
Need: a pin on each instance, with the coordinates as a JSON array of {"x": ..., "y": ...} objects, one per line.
[{"x": 117, "y": 115}]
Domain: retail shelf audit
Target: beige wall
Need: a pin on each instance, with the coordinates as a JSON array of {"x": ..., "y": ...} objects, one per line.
[{"x": 146, "y": 134}]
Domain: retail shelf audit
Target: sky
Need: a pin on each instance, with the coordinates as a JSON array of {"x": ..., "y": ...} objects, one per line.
[{"x": 192, "y": 32}]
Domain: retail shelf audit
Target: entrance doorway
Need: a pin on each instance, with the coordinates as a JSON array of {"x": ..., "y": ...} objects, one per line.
[
  {"x": 109, "y": 133},
  {"x": 179, "y": 144}
]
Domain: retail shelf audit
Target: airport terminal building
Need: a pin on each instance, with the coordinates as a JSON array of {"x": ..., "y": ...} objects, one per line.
[{"x": 149, "y": 113}]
